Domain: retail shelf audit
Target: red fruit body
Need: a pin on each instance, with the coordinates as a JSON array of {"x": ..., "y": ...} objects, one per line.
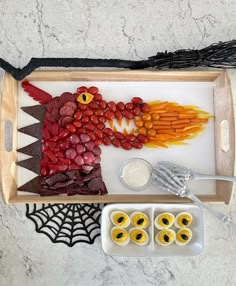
[
  {"x": 129, "y": 106},
  {"x": 72, "y": 131},
  {"x": 112, "y": 106},
  {"x": 137, "y": 100},
  {"x": 126, "y": 146},
  {"x": 121, "y": 106},
  {"x": 93, "y": 90},
  {"x": 128, "y": 114},
  {"x": 116, "y": 142}
]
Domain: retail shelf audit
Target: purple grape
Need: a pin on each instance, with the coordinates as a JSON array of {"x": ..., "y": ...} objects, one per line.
[
  {"x": 89, "y": 146},
  {"x": 97, "y": 151},
  {"x": 84, "y": 138},
  {"x": 88, "y": 158},
  {"x": 79, "y": 160},
  {"x": 70, "y": 153},
  {"x": 87, "y": 168},
  {"x": 97, "y": 160},
  {"x": 80, "y": 149},
  {"x": 74, "y": 139}
]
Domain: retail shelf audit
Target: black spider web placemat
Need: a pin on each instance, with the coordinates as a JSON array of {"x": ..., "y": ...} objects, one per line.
[{"x": 67, "y": 223}]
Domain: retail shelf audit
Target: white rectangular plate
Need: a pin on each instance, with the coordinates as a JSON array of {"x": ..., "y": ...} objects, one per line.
[
  {"x": 195, "y": 246},
  {"x": 192, "y": 155}
]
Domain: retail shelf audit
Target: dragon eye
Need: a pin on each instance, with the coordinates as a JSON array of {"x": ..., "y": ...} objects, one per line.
[{"x": 85, "y": 98}]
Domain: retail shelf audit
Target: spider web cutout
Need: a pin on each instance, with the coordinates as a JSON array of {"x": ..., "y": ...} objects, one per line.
[{"x": 67, "y": 223}]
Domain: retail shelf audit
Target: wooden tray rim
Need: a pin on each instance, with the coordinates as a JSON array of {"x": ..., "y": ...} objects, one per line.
[{"x": 219, "y": 77}]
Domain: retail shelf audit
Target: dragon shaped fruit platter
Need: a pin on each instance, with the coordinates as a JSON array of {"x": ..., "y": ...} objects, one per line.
[{"x": 72, "y": 127}]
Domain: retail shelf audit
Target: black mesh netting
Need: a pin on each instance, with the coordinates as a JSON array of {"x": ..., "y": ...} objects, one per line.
[
  {"x": 67, "y": 223},
  {"x": 218, "y": 55}
]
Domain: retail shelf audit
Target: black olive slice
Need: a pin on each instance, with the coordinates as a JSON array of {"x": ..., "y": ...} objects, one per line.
[
  {"x": 139, "y": 236},
  {"x": 120, "y": 219},
  {"x": 184, "y": 236},
  {"x": 185, "y": 221},
  {"x": 140, "y": 221},
  {"x": 166, "y": 238},
  {"x": 84, "y": 97},
  {"x": 119, "y": 235},
  {"x": 165, "y": 221}
]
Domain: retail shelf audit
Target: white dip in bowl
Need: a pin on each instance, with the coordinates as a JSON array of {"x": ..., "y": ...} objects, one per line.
[{"x": 136, "y": 174}]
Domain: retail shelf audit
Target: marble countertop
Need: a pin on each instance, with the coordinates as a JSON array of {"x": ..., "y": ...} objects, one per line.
[{"x": 113, "y": 29}]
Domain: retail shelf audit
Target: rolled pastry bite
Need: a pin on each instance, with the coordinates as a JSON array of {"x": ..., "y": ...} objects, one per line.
[
  {"x": 183, "y": 219},
  {"x": 120, "y": 219},
  {"x": 164, "y": 220},
  {"x": 139, "y": 219},
  {"x": 120, "y": 236},
  {"x": 165, "y": 237},
  {"x": 139, "y": 236},
  {"x": 183, "y": 236}
]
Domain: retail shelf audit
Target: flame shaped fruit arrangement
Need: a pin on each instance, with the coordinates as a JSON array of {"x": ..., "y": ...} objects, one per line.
[{"x": 72, "y": 126}]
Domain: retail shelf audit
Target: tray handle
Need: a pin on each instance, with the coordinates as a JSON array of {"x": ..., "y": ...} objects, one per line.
[
  {"x": 224, "y": 135},
  {"x": 8, "y": 138}
]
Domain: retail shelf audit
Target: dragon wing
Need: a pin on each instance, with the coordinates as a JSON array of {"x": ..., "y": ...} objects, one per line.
[{"x": 36, "y": 93}]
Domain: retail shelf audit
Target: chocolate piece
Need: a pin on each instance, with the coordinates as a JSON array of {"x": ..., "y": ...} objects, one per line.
[
  {"x": 32, "y": 186},
  {"x": 81, "y": 191},
  {"x": 96, "y": 173},
  {"x": 103, "y": 189},
  {"x": 59, "y": 185},
  {"x": 34, "y": 130},
  {"x": 32, "y": 164},
  {"x": 74, "y": 174},
  {"x": 95, "y": 184},
  {"x": 58, "y": 177},
  {"x": 36, "y": 111},
  {"x": 33, "y": 149},
  {"x": 49, "y": 192}
]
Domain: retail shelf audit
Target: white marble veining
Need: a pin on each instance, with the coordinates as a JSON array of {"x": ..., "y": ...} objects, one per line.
[{"x": 132, "y": 29}]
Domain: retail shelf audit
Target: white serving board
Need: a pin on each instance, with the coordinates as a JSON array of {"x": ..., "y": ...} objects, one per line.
[
  {"x": 198, "y": 154},
  {"x": 193, "y": 248}
]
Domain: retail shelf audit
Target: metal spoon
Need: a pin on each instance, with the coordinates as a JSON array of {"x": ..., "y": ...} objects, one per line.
[{"x": 165, "y": 179}]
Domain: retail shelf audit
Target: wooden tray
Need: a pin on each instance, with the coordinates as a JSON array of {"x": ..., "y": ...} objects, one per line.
[{"x": 224, "y": 132}]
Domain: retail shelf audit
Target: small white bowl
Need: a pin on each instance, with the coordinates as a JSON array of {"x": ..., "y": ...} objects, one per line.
[{"x": 136, "y": 174}]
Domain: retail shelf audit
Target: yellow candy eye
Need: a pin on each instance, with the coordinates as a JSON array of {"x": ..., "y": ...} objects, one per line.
[
  {"x": 139, "y": 219},
  {"x": 85, "y": 98},
  {"x": 165, "y": 237},
  {"x": 183, "y": 236},
  {"x": 119, "y": 235},
  {"x": 183, "y": 219},
  {"x": 120, "y": 219},
  {"x": 139, "y": 236}
]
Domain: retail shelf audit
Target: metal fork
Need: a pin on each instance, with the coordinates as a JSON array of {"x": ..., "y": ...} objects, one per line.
[
  {"x": 185, "y": 174},
  {"x": 168, "y": 181}
]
